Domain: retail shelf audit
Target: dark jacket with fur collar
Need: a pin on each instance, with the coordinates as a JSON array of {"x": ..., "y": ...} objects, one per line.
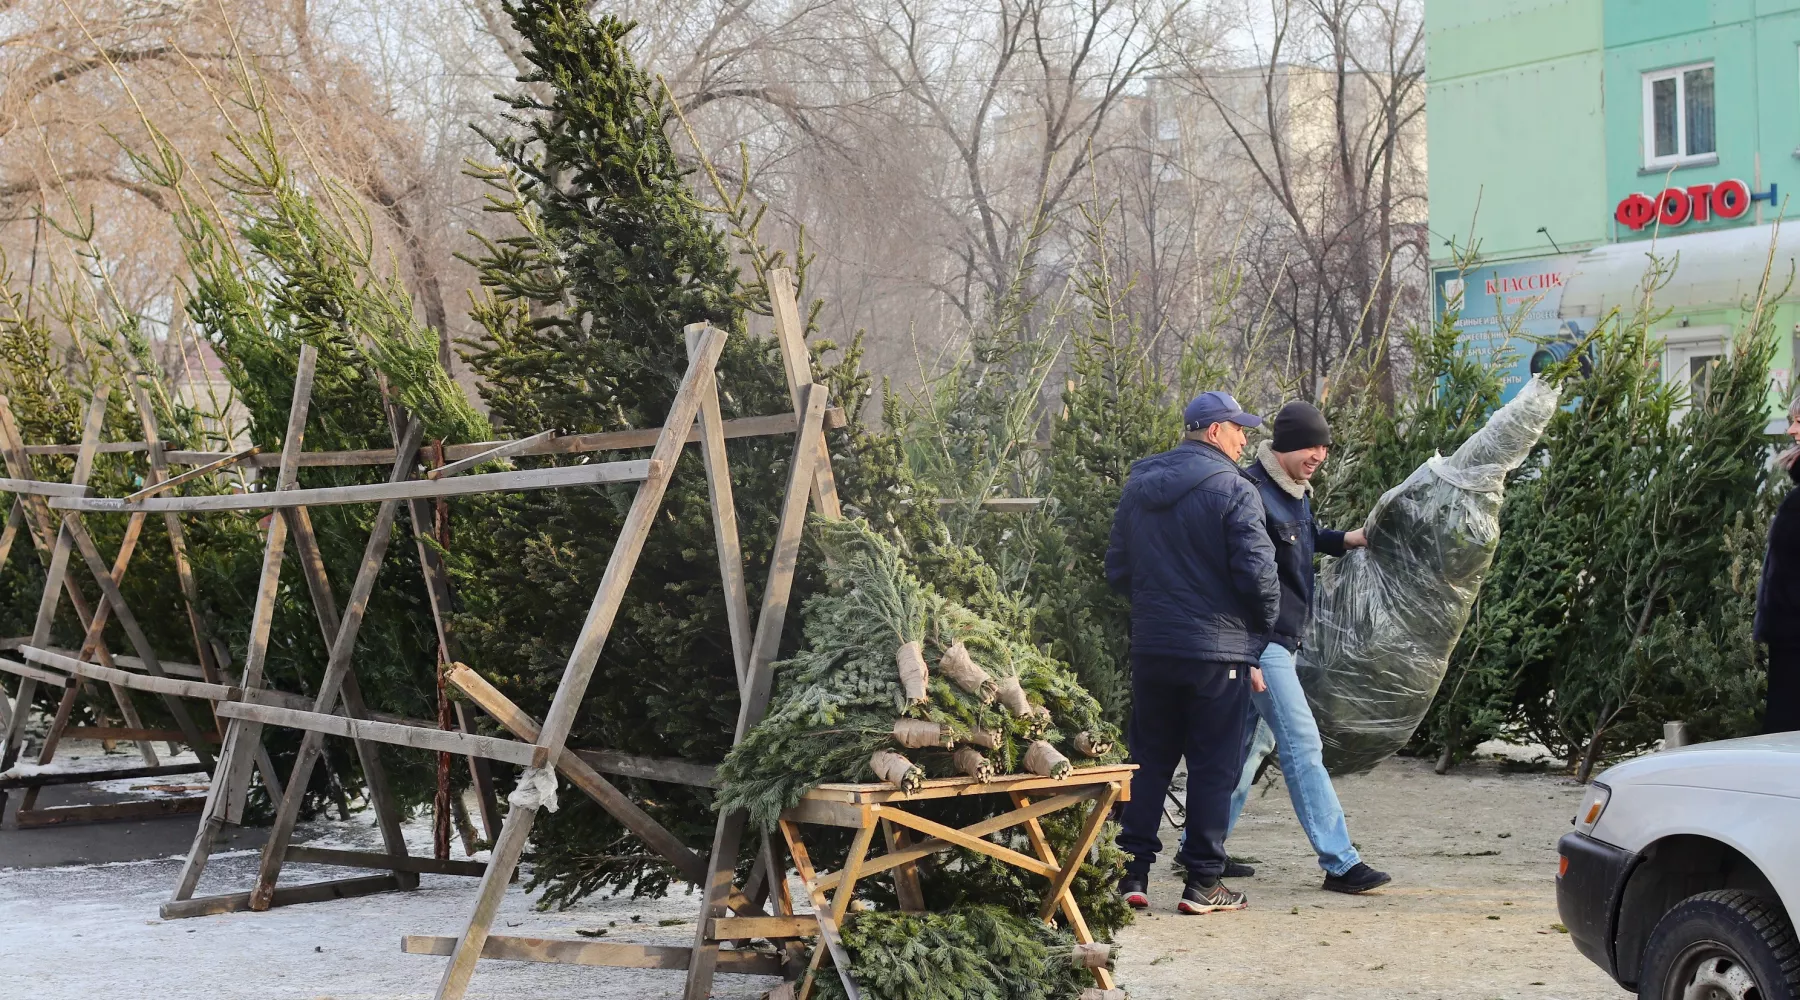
[{"x": 1296, "y": 537}]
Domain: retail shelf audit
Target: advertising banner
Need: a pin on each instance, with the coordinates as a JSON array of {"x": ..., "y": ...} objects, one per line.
[{"x": 1511, "y": 307}]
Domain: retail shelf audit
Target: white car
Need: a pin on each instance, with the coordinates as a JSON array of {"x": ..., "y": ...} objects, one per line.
[{"x": 1682, "y": 878}]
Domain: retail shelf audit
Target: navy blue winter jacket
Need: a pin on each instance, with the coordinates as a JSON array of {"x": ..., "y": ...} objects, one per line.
[
  {"x": 1296, "y": 536},
  {"x": 1190, "y": 548}
]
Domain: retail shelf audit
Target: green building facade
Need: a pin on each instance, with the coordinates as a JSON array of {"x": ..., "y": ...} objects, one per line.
[{"x": 1568, "y": 137}]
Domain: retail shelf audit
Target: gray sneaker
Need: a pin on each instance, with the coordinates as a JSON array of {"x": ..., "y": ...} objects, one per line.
[{"x": 1201, "y": 898}]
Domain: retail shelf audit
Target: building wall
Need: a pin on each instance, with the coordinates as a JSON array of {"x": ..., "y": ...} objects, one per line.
[
  {"x": 1754, "y": 46},
  {"x": 1515, "y": 126}
]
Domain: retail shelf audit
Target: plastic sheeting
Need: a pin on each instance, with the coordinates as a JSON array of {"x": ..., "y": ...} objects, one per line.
[{"x": 1389, "y": 614}]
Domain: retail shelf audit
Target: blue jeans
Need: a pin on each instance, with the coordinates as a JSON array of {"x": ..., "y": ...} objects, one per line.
[{"x": 1282, "y": 719}]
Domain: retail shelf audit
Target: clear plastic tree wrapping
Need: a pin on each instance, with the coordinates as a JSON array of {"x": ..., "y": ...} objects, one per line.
[{"x": 1388, "y": 615}]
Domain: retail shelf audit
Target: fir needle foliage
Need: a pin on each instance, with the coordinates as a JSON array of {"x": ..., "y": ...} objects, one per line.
[
  {"x": 836, "y": 700},
  {"x": 971, "y": 953}
]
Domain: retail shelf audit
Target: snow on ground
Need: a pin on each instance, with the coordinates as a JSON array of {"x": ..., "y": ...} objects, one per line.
[{"x": 92, "y": 933}]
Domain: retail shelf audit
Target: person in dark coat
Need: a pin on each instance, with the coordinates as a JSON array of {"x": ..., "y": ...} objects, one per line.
[
  {"x": 1778, "y": 598},
  {"x": 1191, "y": 548}
]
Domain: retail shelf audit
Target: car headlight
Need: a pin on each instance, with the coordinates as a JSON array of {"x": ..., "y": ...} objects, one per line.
[{"x": 1592, "y": 805}]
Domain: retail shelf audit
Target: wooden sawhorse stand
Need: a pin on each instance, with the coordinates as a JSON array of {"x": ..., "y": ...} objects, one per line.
[{"x": 867, "y": 807}]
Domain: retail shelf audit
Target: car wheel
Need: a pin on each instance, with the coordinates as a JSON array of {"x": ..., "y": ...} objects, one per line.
[{"x": 1721, "y": 945}]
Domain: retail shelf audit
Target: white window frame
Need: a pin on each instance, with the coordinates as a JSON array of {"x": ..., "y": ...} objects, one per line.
[{"x": 1682, "y": 158}]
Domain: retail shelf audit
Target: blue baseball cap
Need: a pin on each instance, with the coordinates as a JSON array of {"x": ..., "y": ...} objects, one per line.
[{"x": 1210, "y": 408}]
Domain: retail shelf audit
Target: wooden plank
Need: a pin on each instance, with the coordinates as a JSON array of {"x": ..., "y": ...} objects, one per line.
[
  {"x": 192, "y": 671},
  {"x": 593, "y": 473},
  {"x": 572, "y": 444},
  {"x": 579, "y": 670},
  {"x": 115, "y": 811},
  {"x": 909, "y": 893},
  {"x": 849, "y": 815},
  {"x": 109, "y": 587},
  {"x": 105, "y": 448},
  {"x": 56, "y": 575},
  {"x": 932, "y": 828},
  {"x": 998, "y": 505},
  {"x": 796, "y": 360},
  {"x": 754, "y": 699},
  {"x": 724, "y": 518},
  {"x": 604, "y": 792},
  {"x": 88, "y": 777},
  {"x": 829, "y": 922},
  {"x": 679, "y": 772},
  {"x": 40, "y": 488},
  {"x": 419, "y": 738},
  {"x": 287, "y": 895},
  {"x": 303, "y": 855},
  {"x": 318, "y": 585},
  {"x": 126, "y": 679},
  {"x": 987, "y": 826},
  {"x": 1071, "y": 911},
  {"x": 1071, "y": 864},
  {"x": 27, "y": 670},
  {"x": 132, "y": 733},
  {"x": 934, "y": 788},
  {"x": 593, "y": 953},
  {"x": 736, "y": 928},
  {"x": 501, "y": 450},
  {"x": 211, "y": 467},
  {"x": 337, "y": 674}
]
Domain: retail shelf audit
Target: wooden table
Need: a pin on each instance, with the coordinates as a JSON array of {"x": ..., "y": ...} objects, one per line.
[{"x": 867, "y": 807}]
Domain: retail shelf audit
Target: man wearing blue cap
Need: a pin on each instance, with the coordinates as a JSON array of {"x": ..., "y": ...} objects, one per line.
[{"x": 1191, "y": 548}]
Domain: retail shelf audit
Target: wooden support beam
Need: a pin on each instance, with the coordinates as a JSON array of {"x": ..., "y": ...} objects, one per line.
[
  {"x": 45, "y": 780},
  {"x": 127, "y": 679},
  {"x": 419, "y": 738},
  {"x": 993, "y": 824},
  {"x": 39, "y": 488},
  {"x": 115, "y": 811},
  {"x": 287, "y": 895},
  {"x": 599, "y": 953},
  {"x": 133, "y": 733},
  {"x": 627, "y": 812},
  {"x": 593, "y": 473},
  {"x": 165, "y": 485},
  {"x": 300, "y": 854},
  {"x": 579, "y": 670},
  {"x": 104, "y": 448},
  {"x": 498, "y": 451},
  {"x": 27, "y": 670},
  {"x": 678, "y": 772},
  {"x": 572, "y": 444},
  {"x": 738, "y": 928}
]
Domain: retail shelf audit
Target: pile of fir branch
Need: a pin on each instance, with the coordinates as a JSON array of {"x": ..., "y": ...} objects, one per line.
[
  {"x": 972, "y": 953},
  {"x": 899, "y": 683}
]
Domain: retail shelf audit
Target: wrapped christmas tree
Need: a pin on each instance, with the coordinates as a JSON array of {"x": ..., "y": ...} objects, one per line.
[{"x": 1389, "y": 614}]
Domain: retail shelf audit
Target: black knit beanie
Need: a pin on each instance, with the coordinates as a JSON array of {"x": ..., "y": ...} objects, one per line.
[{"x": 1298, "y": 426}]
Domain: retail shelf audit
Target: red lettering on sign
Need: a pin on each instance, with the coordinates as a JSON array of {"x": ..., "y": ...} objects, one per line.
[
  {"x": 1727, "y": 199},
  {"x": 1700, "y": 195},
  {"x": 1672, "y": 207},
  {"x": 1525, "y": 283},
  {"x": 1730, "y": 199},
  {"x": 1635, "y": 211}
]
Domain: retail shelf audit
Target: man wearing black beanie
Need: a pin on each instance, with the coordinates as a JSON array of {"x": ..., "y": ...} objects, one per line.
[{"x": 1280, "y": 716}]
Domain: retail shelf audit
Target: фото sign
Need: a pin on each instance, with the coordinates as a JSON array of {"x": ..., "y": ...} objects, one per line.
[
  {"x": 1677, "y": 206},
  {"x": 1511, "y": 309}
]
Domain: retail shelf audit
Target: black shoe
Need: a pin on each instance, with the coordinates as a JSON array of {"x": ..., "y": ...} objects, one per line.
[
  {"x": 1199, "y": 898},
  {"x": 1360, "y": 878},
  {"x": 1135, "y": 890}
]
